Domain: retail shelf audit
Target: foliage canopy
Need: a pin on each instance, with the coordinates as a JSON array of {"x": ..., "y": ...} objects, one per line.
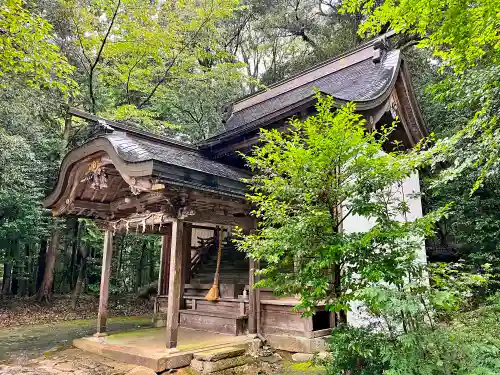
[
  {"x": 26, "y": 49},
  {"x": 306, "y": 183}
]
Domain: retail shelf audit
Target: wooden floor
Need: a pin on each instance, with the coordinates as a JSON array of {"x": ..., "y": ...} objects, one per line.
[{"x": 146, "y": 347}]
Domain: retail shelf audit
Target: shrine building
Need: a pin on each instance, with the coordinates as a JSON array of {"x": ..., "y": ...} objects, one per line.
[{"x": 193, "y": 195}]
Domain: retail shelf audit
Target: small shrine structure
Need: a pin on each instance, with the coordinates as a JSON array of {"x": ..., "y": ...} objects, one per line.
[{"x": 131, "y": 180}]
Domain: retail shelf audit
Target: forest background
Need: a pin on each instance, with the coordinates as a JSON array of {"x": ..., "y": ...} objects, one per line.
[{"x": 171, "y": 67}]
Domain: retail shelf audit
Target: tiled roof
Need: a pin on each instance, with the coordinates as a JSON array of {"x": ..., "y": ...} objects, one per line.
[
  {"x": 136, "y": 149},
  {"x": 355, "y": 78}
]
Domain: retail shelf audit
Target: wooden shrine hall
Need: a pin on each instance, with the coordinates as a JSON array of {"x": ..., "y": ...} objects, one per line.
[{"x": 131, "y": 180}]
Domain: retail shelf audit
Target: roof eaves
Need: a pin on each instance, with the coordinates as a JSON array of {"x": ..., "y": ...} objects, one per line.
[
  {"x": 130, "y": 129},
  {"x": 351, "y": 57},
  {"x": 361, "y": 105}
]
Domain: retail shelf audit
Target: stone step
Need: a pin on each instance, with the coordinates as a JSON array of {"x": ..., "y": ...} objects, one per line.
[
  {"x": 217, "y": 360},
  {"x": 229, "y": 323}
]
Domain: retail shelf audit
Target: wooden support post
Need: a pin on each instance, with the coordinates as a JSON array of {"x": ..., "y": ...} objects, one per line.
[
  {"x": 186, "y": 259},
  {"x": 165, "y": 263},
  {"x": 252, "y": 306},
  {"x": 107, "y": 253},
  {"x": 175, "y": 284},
  {"x": 257, "y": 298},
  {"x": 186, "y": 244}
]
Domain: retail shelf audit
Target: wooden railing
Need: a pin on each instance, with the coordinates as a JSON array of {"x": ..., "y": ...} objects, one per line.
[{"x": 202, "y": 252}]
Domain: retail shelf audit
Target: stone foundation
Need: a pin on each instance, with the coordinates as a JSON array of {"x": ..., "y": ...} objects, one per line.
[
  {"x": 212, "y": 361},
  {"x": 297, "y": 344}
]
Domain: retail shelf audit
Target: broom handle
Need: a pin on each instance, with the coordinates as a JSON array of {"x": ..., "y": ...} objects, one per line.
[{"x": 219, "y": 256}]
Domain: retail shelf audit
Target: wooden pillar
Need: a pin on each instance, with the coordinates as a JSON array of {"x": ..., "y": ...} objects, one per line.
[
  {"x": 257, "y": 298},
  {"x": 252, "y": 306},
  {"x": 186, "y": 258},
  {"x": 164, "y": 263},
  {"x": 186, "y": 244},
  {"x": 175, "y": 283},
  {"x": 107, "y": 253}
]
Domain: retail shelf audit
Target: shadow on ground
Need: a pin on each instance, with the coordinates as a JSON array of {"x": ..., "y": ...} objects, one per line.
[{"x": 26, "y": 342}]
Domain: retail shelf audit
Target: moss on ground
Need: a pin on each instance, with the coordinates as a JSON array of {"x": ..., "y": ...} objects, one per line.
[
  {"x": 134, "y": 333},
  {"x": 139, "y": 320},
  {"x": 306, "y": 367}
]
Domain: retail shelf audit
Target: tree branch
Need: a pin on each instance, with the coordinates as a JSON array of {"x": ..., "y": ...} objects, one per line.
[
  {"x": 174, "y": 60},
  {"x": 127, "y": 88},
  {"x": 407, "y": 41},
  {"x": 80, "y": 41},
  {"x": 99, "y": 53}
]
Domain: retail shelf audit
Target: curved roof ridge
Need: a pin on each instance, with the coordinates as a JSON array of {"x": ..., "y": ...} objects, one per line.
[{"x": 316, "y": 68}]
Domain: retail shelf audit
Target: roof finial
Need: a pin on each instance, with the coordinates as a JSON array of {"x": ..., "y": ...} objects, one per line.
[
  {"x": 379, "y": 45},
  {"x": 103, "y": 125}
]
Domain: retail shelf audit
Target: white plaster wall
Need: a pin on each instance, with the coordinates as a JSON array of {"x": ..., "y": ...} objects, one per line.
[{"x": 355, "y": 224}]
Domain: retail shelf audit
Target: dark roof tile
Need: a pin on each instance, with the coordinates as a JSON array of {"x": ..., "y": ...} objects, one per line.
[
  {"x": 361, "y": 82},
  {"x": 135, "y": 149}
]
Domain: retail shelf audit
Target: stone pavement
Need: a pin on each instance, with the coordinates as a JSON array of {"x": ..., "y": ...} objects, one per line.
[
  {"x": 78, "y": 362},
  {"x": 67, "y": 362}
]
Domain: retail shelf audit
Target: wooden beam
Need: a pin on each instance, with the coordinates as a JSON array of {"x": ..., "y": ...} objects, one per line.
[
  {"x": 165, "y": 261},
  {"x": 252, "y": 306},
  {"x": 209, "y": 217},
  {"x": 87, "y": 205},
  {"x": 143, "y": 199},
  {"x": 175, "y": 284},
  {"x": 257, "y": 299},
  {"x": 186, "y": 259},
  {"x": 118, "y": 189},
  {"x": 107, "y": 253},
  {"x": 112, "y": 179},
  {"x": 75, "y": 176},
  {"x": 237, "y": 204}
]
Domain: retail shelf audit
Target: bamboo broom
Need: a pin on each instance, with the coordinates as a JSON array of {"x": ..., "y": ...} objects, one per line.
[{"x": 213, "y": 293}]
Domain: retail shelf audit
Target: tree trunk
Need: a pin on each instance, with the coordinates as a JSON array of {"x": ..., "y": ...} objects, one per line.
[
  {"x": 45, "y": 289},
  {"x": 32, "y": 269},
  {"x": 81, "y": 276},
  {"x": 23, "y": 271},
  {"x": 15, "y": 276},
  {"x": 141, "y": 265},
  {"x": 119, "y": 246},
  {"x": 67, "y": 129},
  {"x": 152, "y": 275},
  {"x": 41, "y": 263},
  {"x": 74, "y": 253},
  {"x": 341, "y": 316},
  {"x": 7, "y": 278}
]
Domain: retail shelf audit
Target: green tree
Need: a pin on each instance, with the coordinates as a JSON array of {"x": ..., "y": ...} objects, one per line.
[
  {"x": 461, "y": 33},
  {"x": 27, "y": 49},
  {"x": 129, "y": 54},
  {"x": 464, "y": 37},
  {"x": 276, "y": 39},
  {"x": 306, "y": 183}
]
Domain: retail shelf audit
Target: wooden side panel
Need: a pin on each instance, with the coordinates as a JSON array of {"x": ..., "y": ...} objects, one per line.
[
  {"x": 213, "y": 323},
  {"x": 282, "y": 320}
]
